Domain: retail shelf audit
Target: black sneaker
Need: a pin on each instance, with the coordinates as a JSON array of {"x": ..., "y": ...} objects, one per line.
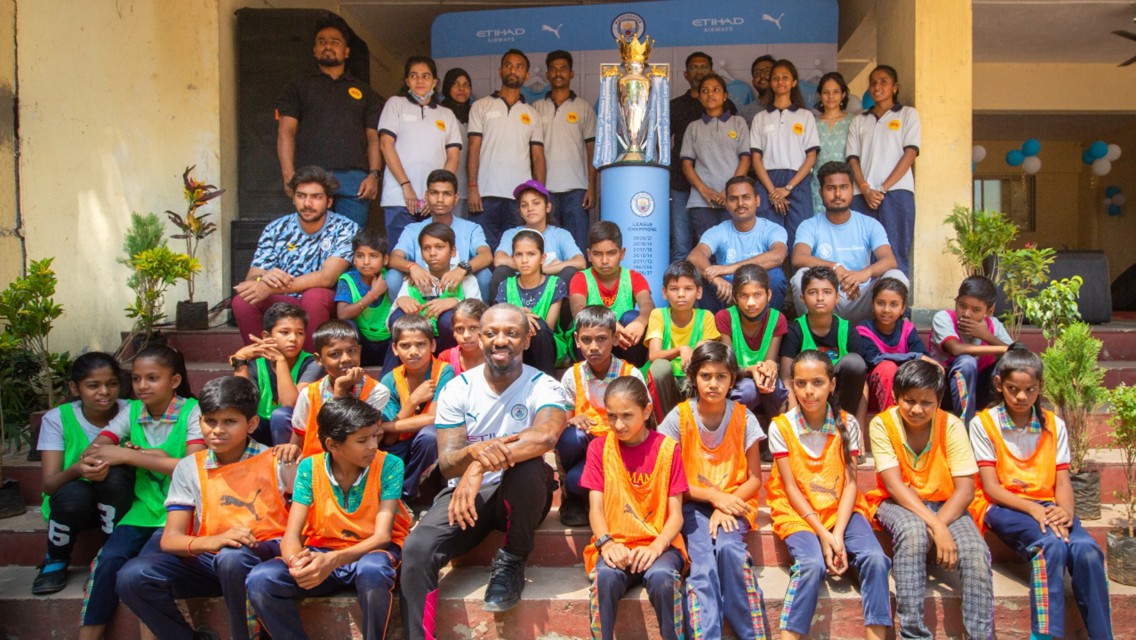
[
  {"x": 47, "y": 582},
  {"x": 573, "y": 511},
  {"x": 506, "y": 582}
]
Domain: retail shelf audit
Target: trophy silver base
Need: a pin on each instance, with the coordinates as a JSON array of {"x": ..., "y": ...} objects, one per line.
[{"x": 631, "y": 156}]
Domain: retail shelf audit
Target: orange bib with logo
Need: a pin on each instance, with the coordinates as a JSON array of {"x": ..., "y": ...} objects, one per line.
[
  {"x": 1033, "y": 478},
  {"x": 403, "y": 388},
  {"x": 930, "y": 478},
  {"x": 724, "y": 467},
  {"x": 312, "y": 443},
  {"x": 242, "y": 494},
  {"x": 635, "y": 512},
  {"x": 584, "y": 406},
  {"x": 820, "y": 479},
  {"x": 330, "y": 526}
]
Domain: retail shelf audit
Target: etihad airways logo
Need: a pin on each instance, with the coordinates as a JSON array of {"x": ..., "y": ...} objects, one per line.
[
  {"x": 711, "y": 25},
  {"x": 501, "y": 35}
]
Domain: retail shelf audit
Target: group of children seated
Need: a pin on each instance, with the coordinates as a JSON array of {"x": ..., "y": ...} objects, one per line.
[{"x": 661, "y": 455}]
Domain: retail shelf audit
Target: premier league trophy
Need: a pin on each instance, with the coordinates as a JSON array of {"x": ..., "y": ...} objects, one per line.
[{"x": 632, "y": 155}]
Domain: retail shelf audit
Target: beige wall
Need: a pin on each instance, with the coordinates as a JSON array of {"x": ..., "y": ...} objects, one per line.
[
  {"x": 1116, "y": 235},
  {"x": 1016, "y": 87},
  {"x": 11, "y": 249},
  {"x": 116, "y": 99}
]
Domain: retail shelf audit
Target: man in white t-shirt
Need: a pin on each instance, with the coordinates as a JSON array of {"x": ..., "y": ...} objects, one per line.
[
  {"x": 495, "y": 423},
  {"x": 847, "y": 241}
]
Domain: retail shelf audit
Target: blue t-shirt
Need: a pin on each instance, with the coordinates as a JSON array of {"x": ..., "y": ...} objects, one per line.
[
  {"x": 558, "y": 243},
  {"x": 390, "y": 483},
  {"x": 728, "y": 245},
  {"x": 469, "y": 238},
  {"x": 394, "y": 405},
  {"x": 850, "y": 244},
  {"x": 284, "y": 245},
  {"x": 343, "y": 292}
]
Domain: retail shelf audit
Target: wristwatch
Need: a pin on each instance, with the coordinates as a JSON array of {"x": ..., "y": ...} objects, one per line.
[
  {"x": 604, "y": 539},
  {"x": 465, "y": 265},
  {"x": 375, "y": 172},
  {"x": 237, "y": 363}
]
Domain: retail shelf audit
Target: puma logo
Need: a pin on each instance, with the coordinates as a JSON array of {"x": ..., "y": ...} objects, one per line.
[
  {"x": 704, "y": 481},
  {"x": 233, "y": 501},
  {"x": 1019, "y": 483},
  {"x": 555, "y": 32},
  {"x": 628, "y": 509},
  {"x": 777, "y": 21},
  {"x": 820, "y": 488},
  {"x": 347, "y": 533}
]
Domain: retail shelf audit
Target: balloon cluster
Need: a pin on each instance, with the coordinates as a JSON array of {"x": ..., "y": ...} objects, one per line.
[
  {"x": 1100, "y": 155},
  {"x": 1114, "y": 200},
  {"x": 1026, "y": 156}
]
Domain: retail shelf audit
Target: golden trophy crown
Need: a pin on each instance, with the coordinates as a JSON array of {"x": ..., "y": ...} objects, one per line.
[{"x": 631, "y": 50}]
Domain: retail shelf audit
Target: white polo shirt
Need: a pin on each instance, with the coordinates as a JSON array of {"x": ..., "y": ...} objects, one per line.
[
  {"x": 783, "y": 138},
  {"x": 714, "y": 145},
  {"x": 422, "y": 135},
  {"x": 879, "y": 143},
  {"x": 506, "y": 135},
  {"x": 567, "y": 130}
]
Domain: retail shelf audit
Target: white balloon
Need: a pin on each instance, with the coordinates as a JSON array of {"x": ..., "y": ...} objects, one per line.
[
  {"x": 1031, "y": 165},
  {"x": 1113, "y": 153},
  {"x": 1119, "y": 200},
  {"x": 978, "y": 154},
  {"x": 1101, "y": 167}
]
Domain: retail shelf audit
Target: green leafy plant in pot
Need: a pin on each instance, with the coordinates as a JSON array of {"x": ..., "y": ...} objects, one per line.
[
  {"x": 1074, "y": 382},
  {"x": 1122, "y": 541},
  {"x": 156, "y": 270},
  {"x": 194, "y": 229},
  {"x": 980, "y": 237}
]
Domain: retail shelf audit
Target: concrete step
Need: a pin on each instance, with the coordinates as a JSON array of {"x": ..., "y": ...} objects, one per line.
[{"x": 554, "y": 605}]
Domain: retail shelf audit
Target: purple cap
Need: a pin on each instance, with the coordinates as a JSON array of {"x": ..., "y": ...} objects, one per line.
[{"x": 535, "y": 185}]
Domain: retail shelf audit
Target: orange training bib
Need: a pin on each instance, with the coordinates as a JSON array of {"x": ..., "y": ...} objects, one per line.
[
  {"x": 724, "y": 467},
  {"x": 932, "y": 479},
  {"x": 242, "y": 494},
  {"x": 1034, "y": 478},
  {"x": 330, "y": 526},
  {"x": 312, "y": 443}
]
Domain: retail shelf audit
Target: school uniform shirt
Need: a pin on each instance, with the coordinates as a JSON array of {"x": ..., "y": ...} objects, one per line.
[
  {"x": 960, "y": 458},
  {"x": 507, "y": 135},
  {"x": 680, "y": 335},
  {"x": 638, "y": 459},
  {"x": 711, "y": 438},
  {"x": 722, "y": 322},
  {"x": 378, "y": 399},
  {"x": 913, "y": 349},
  {"x": 469, "y": 288},
  {"x": 728, "y": 245},
  {"x": 349, "y": 498},
  {"x": 529, "y": 297},
  {"x": 812, "y": 440},
  {"x": 944, "y": 329},
  {"x": 422, "y": 136},
  {"x": 714, "y": 145},
  {"x": 394, "y": 405},
  {"x": 850, "y": 244},
  {"x": 51, "y": 428},
  {"x": 567, "y": 129},
  {"x": 579, "y": 287},
  {"x": 468, "y": 238},
  {"x": 558, "y": 243},
  {"x": 595, "y": 387},
  {"x": 1020, "y": 442},
  {"x": 185, "y": 485},
  {"x": 783, "y": 137},
  {"x": 157, "y": 429},
  {"x": 791, "y": 343},
  {"x": 284, "y": 245},
  {"x": 879, "y": 142},
  {"x": 469, "y": 401}
]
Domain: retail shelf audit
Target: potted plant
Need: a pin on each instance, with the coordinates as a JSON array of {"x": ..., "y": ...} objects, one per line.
[
  {"x": 1022, "y": 271},
  {"x": 1055, "y": 307},
  {"x": 1122, "y": 541},
  {"x": 29, "y": 369},
  {"x": 1074, "y": 382},
  {"x": 194, "y": 229},
  {"x": 980, "y": 237},
  {"x": 155, "y": 271}
]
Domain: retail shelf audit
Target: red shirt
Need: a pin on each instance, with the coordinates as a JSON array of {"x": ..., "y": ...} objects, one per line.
[
  {"x": 722, "y": 321},
  {"x": 639, "y": 460},
  {"x": 579, "y": 287}
]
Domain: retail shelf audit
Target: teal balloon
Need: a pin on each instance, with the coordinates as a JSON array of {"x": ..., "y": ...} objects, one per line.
[
  {"x": 1098, "y": 149},
  {"x": 1113, "y": 209},
  {"x": 1032, "y": 146},
  {"x": 1111, "y": 191},
  {"x": 1087, "y": 156},
  {"x": 868, "y": 102},
  {"x": 1015, "y": 158}
]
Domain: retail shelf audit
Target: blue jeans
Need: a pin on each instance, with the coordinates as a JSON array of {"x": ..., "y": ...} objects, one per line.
[
  {"x": 897, "y": 215},
  {"x": 968, "y": 387},
  {"x": 497, "y": 216},
  {"x": 682, "y": 239},
  {"x": 800, "y": 203},
  {"x": 572, "y": 449},
  {"x": 1051, "y": 555},
  {"x": 702, "y": 219},
  {"x": 663, "y": 582},
  {"x": 808, "y": 571},
  {"x": 346, "y": 204},
  {"x": 149, "y": 583},
  {"x": 126, "y": 542},
  {"x": 569, "y": 212},
  {"x": 395, "y": 219},
  {"x": 277, "y": 429},
  {"x": 722, "y": 584},
  {"x": 762, "y": 405},
  {"x": 273, "y": 593},
  {"x": 418, "y": 454}
]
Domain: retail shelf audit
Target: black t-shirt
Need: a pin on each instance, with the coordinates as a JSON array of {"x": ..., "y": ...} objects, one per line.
[
  {"x": 791, "y": 343},
  {"x": 684, "y": 110},
  {"x": 334, "y": 115}
]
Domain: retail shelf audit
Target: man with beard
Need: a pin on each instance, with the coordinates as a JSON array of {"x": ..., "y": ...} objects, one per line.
[
  {"x": 298, "y": 258},
  {"x": 762, "y": 71},
  {"x": 495, "y": 422},
  {"x": 506, "y": 148},
  {"x": 329, "y": 119},
  {"x": 854, "y": 245}
]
